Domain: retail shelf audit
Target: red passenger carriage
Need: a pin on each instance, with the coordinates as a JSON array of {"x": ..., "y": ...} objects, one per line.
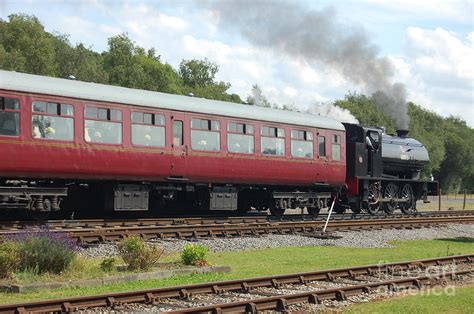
[{"x": 125, "y": 149}]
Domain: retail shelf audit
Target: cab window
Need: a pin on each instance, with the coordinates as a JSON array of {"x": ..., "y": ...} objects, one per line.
[
  {"x": 51, "y": 120},
  {"x": 103, "y": 125},
  {"x": 205, "y": 135},
  {"x": 302, "y": 144},
  {"x": 240, "y": 138},
  {"x": 9, "y": 116},
  {"x": 273, "y": 141},
  {"x": 148, "y": 129}
]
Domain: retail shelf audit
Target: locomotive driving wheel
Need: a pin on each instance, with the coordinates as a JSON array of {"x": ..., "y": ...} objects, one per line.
[
  {"x": 408, "y": 204},
  {"x": 390, "y": 192},
  {"x": 372, "y": 205}
]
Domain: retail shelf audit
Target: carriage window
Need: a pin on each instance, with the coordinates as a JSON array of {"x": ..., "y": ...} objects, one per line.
[
  {"x": 9, "y": 116},
  {"x": 148, "y": 129},
  {"x": 273, "y": 141},
  {"x": 240, "y": 138},
  {"x": 322, "y": 146},
  {"x": 106, "y": 128},
  {"x": 302, "y": 144},
  {"x": 53, "y": 121},
  {"x": 205, "y": 135},
  {"x": 103, "y": 132},
  {"x": 91, "y": 112},
  {"x": 336, "y": 148}
]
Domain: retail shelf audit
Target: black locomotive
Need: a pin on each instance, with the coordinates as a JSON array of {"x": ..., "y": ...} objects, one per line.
[{"x": 383, "y": 171}]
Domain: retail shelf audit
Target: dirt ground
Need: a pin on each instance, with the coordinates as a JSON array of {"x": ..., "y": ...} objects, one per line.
[{"x": 452, "y": 201}]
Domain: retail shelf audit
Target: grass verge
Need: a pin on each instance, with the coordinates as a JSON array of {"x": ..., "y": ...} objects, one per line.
[
  {"x": 275, "y": 261},
  {"x": 438, "y": 300}
]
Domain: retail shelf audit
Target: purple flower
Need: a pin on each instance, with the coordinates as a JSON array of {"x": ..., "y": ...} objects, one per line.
[{"x": 54, "y": 237}]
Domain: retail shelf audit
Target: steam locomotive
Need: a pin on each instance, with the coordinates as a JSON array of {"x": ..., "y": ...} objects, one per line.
[{"x": 68, "y": 145}]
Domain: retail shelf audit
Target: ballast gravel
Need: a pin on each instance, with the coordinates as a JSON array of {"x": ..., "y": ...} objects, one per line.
[{"x": 360, "y": 239}]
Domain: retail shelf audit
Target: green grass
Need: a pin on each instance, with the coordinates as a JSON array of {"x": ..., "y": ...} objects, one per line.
[
  {"x": 275, "y": 261},
  {"x": 459, "y": 300}
]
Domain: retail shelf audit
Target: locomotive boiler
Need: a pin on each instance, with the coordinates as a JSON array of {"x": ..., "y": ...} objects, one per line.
[{"x": 403, "y": 157}]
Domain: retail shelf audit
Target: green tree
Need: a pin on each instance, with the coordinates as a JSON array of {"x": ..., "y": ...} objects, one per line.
[
  {"x": 25, "y": 46},
  {"x": 199, "y": 79},
  {"x": 198, "y": 72},
  {"x": 158, "y": 76},
  {"x": 131, "y": 66},
  {"x": 79, "y": 61},
  {"x": 121, "y": 64},
  {"x": 457, "y": 169}
]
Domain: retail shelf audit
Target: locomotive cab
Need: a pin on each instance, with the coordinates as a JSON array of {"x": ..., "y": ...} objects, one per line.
[{"x": 364, "y": 151}]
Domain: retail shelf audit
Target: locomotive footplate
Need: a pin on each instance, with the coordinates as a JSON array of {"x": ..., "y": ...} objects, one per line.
[{"x": 34, "y": 198}]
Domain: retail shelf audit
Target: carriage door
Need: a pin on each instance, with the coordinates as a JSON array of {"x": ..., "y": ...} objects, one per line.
[
  {"x": 179, "y": 148},
  {"x": 322, "y": 155}
]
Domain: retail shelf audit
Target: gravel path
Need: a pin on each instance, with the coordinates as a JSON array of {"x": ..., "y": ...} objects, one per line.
[{"x": 362, "y": 239}]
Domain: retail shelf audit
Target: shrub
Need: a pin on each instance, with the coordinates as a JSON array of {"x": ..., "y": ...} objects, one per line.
[
  {"x": 194, "y": 254},
  {"x": 138, "y": 255},
  {"x": 43, "y": 251},
  {"x": 108, "y": 264},
  {"x": 9, "y": 259}
]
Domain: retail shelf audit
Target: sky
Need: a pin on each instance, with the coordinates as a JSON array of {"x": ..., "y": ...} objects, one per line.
[{"x": 429, "y": 44}]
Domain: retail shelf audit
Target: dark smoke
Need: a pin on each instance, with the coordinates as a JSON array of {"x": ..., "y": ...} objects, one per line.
[{"x": 317, "y": 36}]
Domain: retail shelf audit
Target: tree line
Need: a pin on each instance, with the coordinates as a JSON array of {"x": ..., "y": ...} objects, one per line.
[{"x": 25, "y": 46}]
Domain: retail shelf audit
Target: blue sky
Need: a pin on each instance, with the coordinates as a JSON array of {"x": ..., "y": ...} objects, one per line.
[{"x": 430, "y": 44}]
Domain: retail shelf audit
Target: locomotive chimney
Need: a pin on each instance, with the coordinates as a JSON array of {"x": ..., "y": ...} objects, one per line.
[{"x": 402, "y": 133}]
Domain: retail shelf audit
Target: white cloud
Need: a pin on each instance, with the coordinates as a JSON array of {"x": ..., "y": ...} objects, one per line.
[
  {"x": 442, "y": 52},
  {"x": 457, "y": 10},
  {"x": 172, "y": 22},
  {"x": 83, "y": 30},
  {"x": 438, "y": 70},
  {"x": 290, "y": 91}
]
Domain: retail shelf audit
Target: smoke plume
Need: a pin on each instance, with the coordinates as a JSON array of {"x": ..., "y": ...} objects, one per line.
[
  {"x": 317, "y": 37},
  {"x": 333, "y": 111}
]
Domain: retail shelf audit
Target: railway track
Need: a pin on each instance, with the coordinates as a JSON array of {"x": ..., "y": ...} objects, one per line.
[
  {"x": 65, "y": 223},
  {"x": 278, "y": 292},
  {"x": 93, "y": 231}
]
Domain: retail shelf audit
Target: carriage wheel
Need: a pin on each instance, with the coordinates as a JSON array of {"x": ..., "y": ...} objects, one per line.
[
  {"x": 372, "y": 205},
  {"x": 407, "y": 194},
  {"x": 277, "y": 211},
  {"x": 390, "y": 192},
  {"x": 314, "y": 211},
  {"x": 40, "y": 212}
]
